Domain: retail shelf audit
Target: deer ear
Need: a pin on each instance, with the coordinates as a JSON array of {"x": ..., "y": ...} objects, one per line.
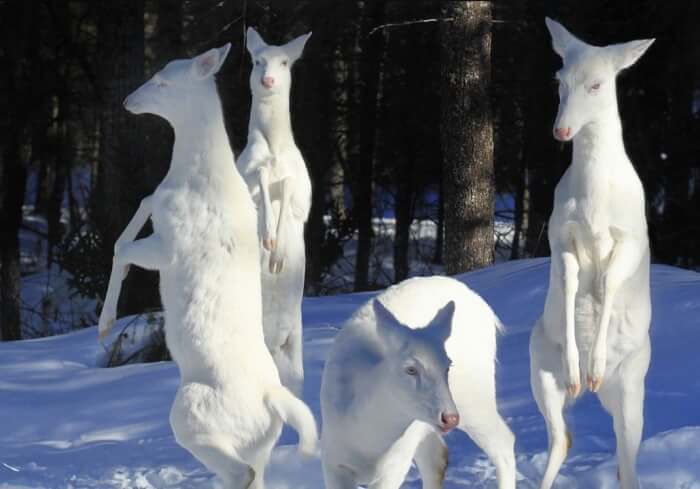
[
  {"x": 626, "y": 54},
  {"x": 388, "y": 327},
  {"x": 441, "y": 325},
  {"x": 295, "y": 47},
  {"x": 254, "y": 42},
  {"x": 563, "y": 41},
  {"x": 209, "y": 63}
]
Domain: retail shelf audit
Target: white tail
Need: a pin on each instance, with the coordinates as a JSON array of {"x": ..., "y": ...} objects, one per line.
[
  {"x": 599, "y": 279},
  {"x": 297, "y": 414},
  {"x": 277, "y": 178}
]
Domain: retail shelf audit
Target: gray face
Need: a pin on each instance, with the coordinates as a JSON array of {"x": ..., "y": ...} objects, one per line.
[
  {"x": 421, "y": 373},
  {"x": 417, "y": 366}
]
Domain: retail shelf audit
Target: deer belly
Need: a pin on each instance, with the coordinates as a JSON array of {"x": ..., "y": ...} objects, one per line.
[{"x": 586, "y": 320}]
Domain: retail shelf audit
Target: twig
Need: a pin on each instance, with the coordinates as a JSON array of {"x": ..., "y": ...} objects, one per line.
[{"x": 409, "y": 22}]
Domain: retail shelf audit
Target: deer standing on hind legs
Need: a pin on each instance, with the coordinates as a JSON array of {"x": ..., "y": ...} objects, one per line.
[
  {"x": 230, "y": 405},
  {"x": 595, "y": 324},
  {"x": 280, "y": 185}
]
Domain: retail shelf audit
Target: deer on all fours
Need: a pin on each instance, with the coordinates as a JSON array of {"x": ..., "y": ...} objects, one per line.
[
  {"x": 408, "y": 367},
  {"x": 279, "y": 183},
  {"x": 230, "y": 405},
  {"x": 594, "y": 331}
]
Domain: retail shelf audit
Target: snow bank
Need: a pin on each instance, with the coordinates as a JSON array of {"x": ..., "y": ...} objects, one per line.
[{"x": 65, "y": 423}]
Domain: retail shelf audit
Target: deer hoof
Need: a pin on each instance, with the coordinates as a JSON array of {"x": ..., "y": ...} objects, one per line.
[
  {"x": 269, "y": 244},
  {"x": 574, "y": 390},
  {"x": 594, "y": 383}
]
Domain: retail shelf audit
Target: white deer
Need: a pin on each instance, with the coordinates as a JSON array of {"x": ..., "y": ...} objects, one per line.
[
  {"x": 230, "y": 406},
  {"x": 276, "y": 174},
  {"x": 387, "y": 396},
  {"x": 595, "y": 324}
]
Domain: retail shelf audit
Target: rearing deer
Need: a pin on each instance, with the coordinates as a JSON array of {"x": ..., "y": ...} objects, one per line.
[
  {"x": 230, "y": 405},
  {"x": 276, "y": 174},
  {"x": 595, "y": 324}
]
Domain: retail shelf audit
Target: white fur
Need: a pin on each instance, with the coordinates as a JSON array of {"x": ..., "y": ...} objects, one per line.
[
  {"x": 596, "y": 317},
  {"x": 377, "y": 419},
  {"x": 230, "y": 407},
  {"x": 276, "y": 174}
]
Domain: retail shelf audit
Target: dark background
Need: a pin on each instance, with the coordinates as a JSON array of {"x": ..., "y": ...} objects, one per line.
[{"x": 382, "y": 129}]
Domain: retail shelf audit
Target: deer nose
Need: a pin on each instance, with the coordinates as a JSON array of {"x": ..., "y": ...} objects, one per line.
[
  {"x": 449, "y": 421},
  {"x": 562, "y": 133},
  {"x": 268, "y": 81}
]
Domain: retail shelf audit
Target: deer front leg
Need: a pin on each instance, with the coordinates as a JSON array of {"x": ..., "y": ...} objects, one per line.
[
  {"x": 268, "y": 232},
  {"x": 109, "y": 309},
  {"x": 570, "y": 267},
  {"x": 279, "y": 254},
  {"x": 624, "y": 260}
]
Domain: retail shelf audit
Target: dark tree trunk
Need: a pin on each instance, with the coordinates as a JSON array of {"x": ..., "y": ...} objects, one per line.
[
  {"x": 440, "y": 227},
  {"x": 467, "y": 135},
  {"x": 404, "y": 216},
  {"x": 14, "y": 179},
  {"x": 364, "y": 87},
  {"x": 121, "y": 177}
]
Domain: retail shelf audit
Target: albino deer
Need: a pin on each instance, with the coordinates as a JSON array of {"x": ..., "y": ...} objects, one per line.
[
  {"x": 387, "y": 396},
  {"x": 230, "y": 406},
  {"x": 276, "y": 174},
  {"x": 595, "y": 324}
]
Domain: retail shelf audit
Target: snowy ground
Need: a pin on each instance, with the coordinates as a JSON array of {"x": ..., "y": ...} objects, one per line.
[{"x": 64, "y": 423}]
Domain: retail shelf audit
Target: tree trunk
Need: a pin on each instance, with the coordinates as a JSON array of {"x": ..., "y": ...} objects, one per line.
[
  {"x": 121, "y": 175},
  {"x": 14, "y": 180},
  {"x": 403, "y": 210},
  {"x": 364, "y": 87},
  {"x": 467, "y": 135}
]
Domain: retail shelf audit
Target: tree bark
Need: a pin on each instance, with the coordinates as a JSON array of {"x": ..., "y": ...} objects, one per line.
[{"x": 467, "y": 135}]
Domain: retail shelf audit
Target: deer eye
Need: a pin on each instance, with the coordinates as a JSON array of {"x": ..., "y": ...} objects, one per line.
[
  {"x": 285, "y": 62},
  {"x": 411, "y": 370},
  {"x": 257, "y": 62},
  {"x": 595, "y": 87}
]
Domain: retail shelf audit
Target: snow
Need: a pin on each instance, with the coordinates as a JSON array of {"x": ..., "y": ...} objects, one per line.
[{"x": 66, "y": 423}]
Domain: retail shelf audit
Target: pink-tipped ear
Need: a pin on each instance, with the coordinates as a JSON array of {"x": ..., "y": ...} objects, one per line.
[
  {"x": 628, "y": 53},
  {"x": 563, "y": 41},
  {"x": 295, "y": 47},
  {"x": 209, "y": 63},
  {"x": 253, "y": 41}
]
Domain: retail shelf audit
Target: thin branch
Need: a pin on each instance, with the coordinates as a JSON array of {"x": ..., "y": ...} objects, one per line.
[{"x": 409, "y": 22}]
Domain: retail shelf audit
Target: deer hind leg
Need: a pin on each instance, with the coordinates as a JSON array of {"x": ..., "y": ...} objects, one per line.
[
  {"x": 431, "y": 458},
  {"x": 623, "y": 398},
  {"x": 293, "y": 351},
  {"x": 548, "y": 388},
  {"x": 624, "y": 261}
]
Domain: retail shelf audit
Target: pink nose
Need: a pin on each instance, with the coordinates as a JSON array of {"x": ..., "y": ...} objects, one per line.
[
  {"x": 449, "y": 421},
  {"x": 268, "y": 81},
  {"x": 562, "y": 133}
]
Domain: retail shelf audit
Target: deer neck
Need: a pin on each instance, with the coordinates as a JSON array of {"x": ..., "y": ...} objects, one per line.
[
  {"x": 201, "y": 144},
  {"x": 599, "y": 142},
  {"x": 270, "y": 116}
]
